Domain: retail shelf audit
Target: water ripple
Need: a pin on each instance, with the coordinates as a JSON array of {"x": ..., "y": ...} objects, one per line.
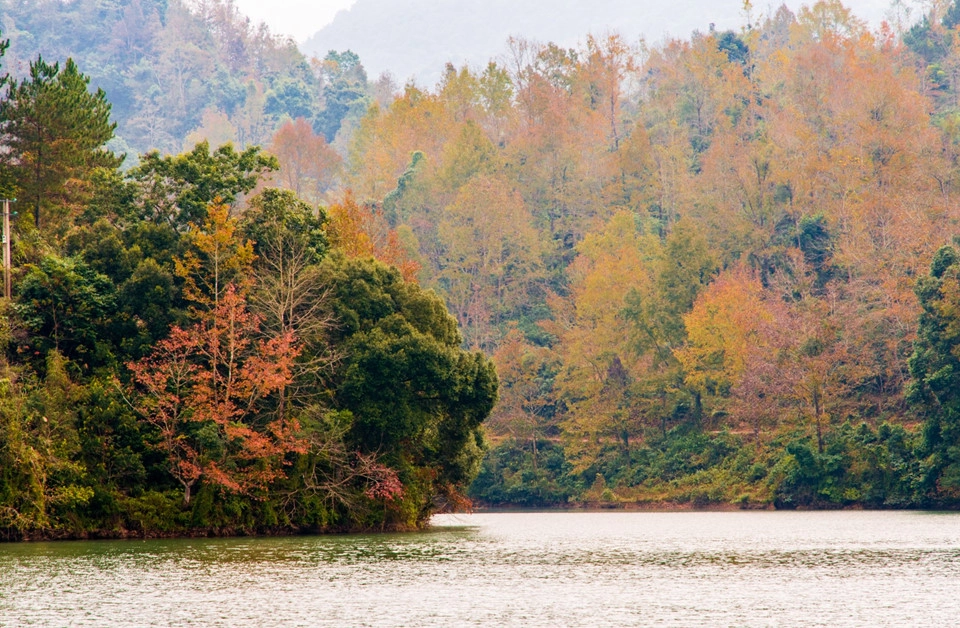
[{"x": 530, "y": 569}]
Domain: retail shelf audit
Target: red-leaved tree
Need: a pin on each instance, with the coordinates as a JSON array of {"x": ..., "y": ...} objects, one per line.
[{"x": 210, "y": 391}]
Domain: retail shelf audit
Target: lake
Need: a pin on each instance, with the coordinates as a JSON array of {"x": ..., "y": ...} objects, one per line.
[{"x": 847, "y": 568}]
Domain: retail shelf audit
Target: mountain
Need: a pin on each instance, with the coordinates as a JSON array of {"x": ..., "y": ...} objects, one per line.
[{"x": 415, "y": 38}]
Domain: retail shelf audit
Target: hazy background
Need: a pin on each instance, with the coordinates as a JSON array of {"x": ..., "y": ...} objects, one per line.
[
  {"x": 415, "y": 38},
  {"x": 297, "y": 18}
]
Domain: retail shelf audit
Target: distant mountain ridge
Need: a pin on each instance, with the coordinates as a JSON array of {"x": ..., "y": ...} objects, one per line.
[{"x": 415, "y": 38}]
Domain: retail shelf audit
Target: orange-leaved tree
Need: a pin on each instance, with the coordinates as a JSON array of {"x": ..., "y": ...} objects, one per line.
[
  {"x": 360, "y": 230},
  {"x": 211, "y": 389},
  {"x": 721, "y": 329},
  {"x": 216, "y": 260},
  {"x": 308, "y": 166}
]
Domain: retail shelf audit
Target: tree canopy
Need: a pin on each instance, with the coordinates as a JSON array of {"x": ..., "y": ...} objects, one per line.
[{"x": 55, "y": 131}]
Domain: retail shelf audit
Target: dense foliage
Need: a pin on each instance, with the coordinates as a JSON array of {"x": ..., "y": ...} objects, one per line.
[{"x": 190, "y": 352}]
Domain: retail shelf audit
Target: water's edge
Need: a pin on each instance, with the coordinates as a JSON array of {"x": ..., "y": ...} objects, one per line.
[
  {"x": 239, "y": 532},
  {"x": 570, "y": 568}
]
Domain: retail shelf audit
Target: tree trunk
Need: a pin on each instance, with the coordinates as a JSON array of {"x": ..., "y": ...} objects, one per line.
[
  {"x": 818, "y": 411},
  {"x": 534, "y": 441}
]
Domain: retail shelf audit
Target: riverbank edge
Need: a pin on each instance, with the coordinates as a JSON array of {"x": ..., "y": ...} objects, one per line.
[
  {"x": 123, "y": 534},
  {"x": 598, "y": 506},
  {"x": 268, "y": 532}
]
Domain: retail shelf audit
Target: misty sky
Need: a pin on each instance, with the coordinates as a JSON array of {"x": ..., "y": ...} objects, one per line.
[
  {"x": 303, "y": 18},
  {"x": 298, "y": 18}
]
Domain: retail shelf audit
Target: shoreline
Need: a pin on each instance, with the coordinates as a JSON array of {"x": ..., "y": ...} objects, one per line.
[{"x": 586, "y": 507}]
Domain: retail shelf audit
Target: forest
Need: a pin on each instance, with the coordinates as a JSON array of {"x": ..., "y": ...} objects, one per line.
[
  {"x": 258, "y": 293},
  {"x": 189, "y": 349}
]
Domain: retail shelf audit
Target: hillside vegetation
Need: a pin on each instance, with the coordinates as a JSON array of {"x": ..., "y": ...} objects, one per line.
[
  {"x": 181, "y": 71},
  {"x": 694, "y": 265}
]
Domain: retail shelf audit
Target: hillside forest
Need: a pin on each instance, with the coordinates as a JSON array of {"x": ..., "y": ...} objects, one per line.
[{"x": 254, "y": 292}]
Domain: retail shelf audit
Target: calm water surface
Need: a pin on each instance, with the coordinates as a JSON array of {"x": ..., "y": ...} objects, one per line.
[{"x": 530, "y": 569}]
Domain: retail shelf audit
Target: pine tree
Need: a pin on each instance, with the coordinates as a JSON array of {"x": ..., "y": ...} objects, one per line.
[{"x": 54, "y": 130}]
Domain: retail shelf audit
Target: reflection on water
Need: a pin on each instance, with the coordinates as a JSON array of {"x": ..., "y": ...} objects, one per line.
[{"x": 531, "y": 569}]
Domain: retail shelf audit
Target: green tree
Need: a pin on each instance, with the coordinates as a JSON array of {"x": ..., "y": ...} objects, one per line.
[
  {"x": 935, "y": 368},
  {"x": 65, "y": 305},
  {"x": 54, "y": 132},
  {"x": 686, "y": 265},
  {"x": 148, "y": 306},
  {"x": 176, "y": 189},
  {"x": 417, "y": 398},
  {"x": 138, "y": 260},
  {"x": 344, "y": 92},
  {"x": 290, "y": 97},
  {"x": 40, "y": 476}
]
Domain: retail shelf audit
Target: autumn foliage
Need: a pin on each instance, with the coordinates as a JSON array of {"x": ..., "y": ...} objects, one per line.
[
  {"x": 717, "y": 235},
  {"x": 361, "y": 231},
  {"x": 208, "y": 390}
]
